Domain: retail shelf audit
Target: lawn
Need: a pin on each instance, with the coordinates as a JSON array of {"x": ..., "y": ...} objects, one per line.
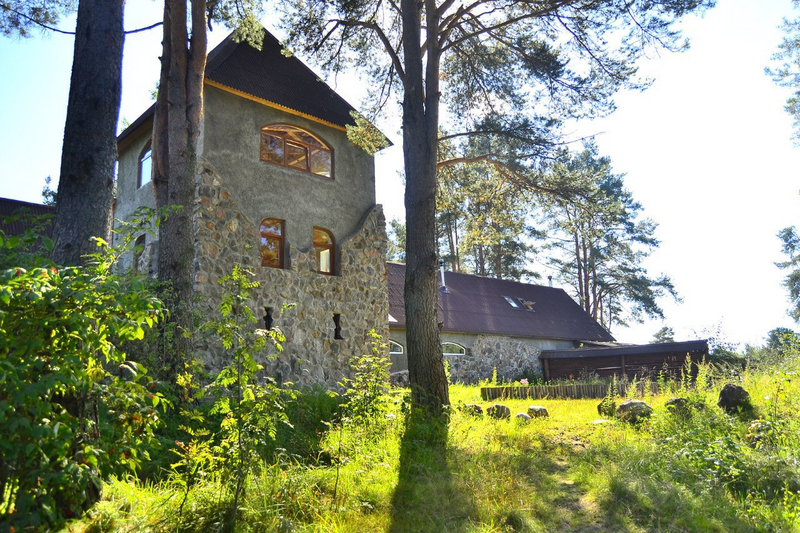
[{"x": 396, "y": 471}]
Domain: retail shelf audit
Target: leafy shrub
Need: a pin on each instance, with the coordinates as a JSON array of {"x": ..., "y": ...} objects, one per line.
[
  {"x": 366, "y": 394},
  {"x": 64, "y": 379}
]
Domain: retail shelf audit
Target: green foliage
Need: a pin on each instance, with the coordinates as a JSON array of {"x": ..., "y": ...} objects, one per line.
[
  {"x": 72, "y": 407},
  {"x": 665, "y": 334},
  {"x": 481, "y": 220},
  {"x": 791, "y": 248},
  {"x": 365, "y": 135},
  {"x": 366, "y": 393},
  {"x": 598, "y": 243},
  {"x": 19, "y": 17},
  {"x": 396, "y": 249},
  {"x": 248, "y": 411}
]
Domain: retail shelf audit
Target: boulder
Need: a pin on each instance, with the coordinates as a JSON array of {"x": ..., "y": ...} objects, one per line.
[
  {"x": 633, "y": 411},
  {"x": 473, "y": 409},
  {"x": 399, "y": 379},
  {"x": 522, "y": 417},
  {"x": 498, "y": 411},
  {"x": 607, "y": 407},
  {"x": 733, "y": 398},
  {"x": 538, "y": 411},
  {"x": 678, "y": 406}
]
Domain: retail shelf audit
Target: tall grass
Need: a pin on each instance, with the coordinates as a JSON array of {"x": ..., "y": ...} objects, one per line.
[{"x": 694, "y": 470}]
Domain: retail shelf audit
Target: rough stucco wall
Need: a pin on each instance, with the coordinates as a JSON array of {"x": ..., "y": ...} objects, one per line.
[
  {"x": 231, "y": 141},
  {"x": 130, "y": 198},
  {"x": 512, "y": 356},
  {"x": 359, "y": 293}
]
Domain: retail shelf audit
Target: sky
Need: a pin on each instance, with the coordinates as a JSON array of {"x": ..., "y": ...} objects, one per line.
[{"x": 706, "y": 150}]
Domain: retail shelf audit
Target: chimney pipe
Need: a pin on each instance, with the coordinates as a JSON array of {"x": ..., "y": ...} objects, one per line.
[
  {"x": 443, "y": 288},
  {"x": 550, "y": 280}
]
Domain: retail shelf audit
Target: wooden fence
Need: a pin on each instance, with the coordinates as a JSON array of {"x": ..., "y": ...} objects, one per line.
[{"x": 563, "y": 391}]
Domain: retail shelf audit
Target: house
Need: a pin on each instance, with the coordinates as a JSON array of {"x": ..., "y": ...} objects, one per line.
[
  {"x": 489, "y": 324},
  {"x": 282, "y": 191},
  {"x": 17, "y": 216},
  {"x": 520, "y": 329}
]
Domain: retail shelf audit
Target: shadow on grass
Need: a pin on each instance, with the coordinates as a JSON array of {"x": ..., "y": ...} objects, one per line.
[{"x": 425, "y": 497}]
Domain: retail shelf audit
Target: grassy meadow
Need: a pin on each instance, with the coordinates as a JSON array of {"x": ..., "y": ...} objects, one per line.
[{"x": 399, "y": 471}]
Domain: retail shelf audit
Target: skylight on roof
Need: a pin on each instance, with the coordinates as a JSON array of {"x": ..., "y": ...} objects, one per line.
[{"x": 512, "y": 302}]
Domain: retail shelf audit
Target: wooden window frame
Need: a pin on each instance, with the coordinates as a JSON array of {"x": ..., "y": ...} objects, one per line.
[
  {"x": 331, "y": 247},
  {"x": 309, "y": 148},
  {"x": 280, "y": 238},
  {"x": 147, "y": 148}
]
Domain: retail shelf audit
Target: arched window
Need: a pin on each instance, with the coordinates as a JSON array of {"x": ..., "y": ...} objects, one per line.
[
  {"x": 395, "y": 348},
  {"x": 272, "y": 242},
  {"x": 145, "y": 166},
  {"x": 324, "y": 250},
  {"x": 452, "y": 348},
  {"x": 293, "y": 147}
]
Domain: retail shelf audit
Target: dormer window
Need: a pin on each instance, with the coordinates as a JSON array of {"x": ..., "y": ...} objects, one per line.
[
  {"x": 290, "y": 146},
  {"x": 145, "y": 166}
]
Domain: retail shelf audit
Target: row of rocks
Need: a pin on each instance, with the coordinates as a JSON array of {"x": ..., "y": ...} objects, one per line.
[
  {"x": 500, "y": 411},
  {"x": 732, "y": 399}
]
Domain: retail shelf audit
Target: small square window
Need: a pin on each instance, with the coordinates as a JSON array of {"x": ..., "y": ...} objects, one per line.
[{"x": 512, "y": 302}]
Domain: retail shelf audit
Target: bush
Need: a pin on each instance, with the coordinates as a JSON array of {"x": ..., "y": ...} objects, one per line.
[{"x": 64, "y": 380}]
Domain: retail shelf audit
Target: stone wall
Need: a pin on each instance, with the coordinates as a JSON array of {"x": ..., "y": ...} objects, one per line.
[
  {"x": 303, "y": 302},
  {"x": 511, "y": 357}
]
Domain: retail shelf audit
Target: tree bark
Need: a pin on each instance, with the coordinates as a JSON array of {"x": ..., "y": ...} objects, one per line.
[
  {"x": 420, "y": 129},
  {"x": 86, "y": 185},
  {"x": 178, "y": 111}
]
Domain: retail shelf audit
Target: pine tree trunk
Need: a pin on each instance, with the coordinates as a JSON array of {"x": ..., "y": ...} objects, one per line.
[
  {"x": 420, "y": 137},
  {"x": 180, "y": 99},
  {"x": 86, "y": 186}
]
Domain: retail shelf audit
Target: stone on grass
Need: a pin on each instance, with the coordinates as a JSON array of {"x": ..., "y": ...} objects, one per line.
[
  {"x": 498, "y": 411},
  {"x": 538, "y": 411},
  {"x": 522, "y": 417},
  {"x": 678, "y": 406},
  {"x": 633, "y": 411},
  {"x": 607, "y": 407},
  {"x": 399, "y": 379},
  {"x": 733, "y": 398},
  {"x": 473, "y": 409}
]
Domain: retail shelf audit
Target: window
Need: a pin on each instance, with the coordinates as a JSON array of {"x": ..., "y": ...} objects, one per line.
[
  {"x": 272, "y": 243},
  {"x": 323, "y": 250},
  {"x": 512, "y": 302},
  {"x": 293, "y": 147},
  {"x": 145, "y": 166},
  {"x": 451, "y": 348},
  {"x": 395, "y": 348}
]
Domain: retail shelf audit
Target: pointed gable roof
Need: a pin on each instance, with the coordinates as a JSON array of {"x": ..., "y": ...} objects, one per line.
[
  {"x": 266, "y": 76},
  {"x": 478, "y": 305},
  {"x": 271, "y": 76}
]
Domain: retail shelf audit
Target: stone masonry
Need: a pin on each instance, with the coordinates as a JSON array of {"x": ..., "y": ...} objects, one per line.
[
  {"x": 512, "y": 357},
  {"x": 301, "y": 301}
]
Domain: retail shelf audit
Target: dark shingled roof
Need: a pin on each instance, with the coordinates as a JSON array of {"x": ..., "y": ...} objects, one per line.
[
  {"x": 477, "y": 305},
  {"x": 268, "y": 75},
  {"x": 698, "y": 347},
  {"x": 9, "y": 208}
]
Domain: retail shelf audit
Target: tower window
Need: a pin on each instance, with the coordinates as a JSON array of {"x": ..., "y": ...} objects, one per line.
[
  {"x": 324, "y": 250},
  {"x": 272, "y": 243},
  {"x": 290, "y": 146}
]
